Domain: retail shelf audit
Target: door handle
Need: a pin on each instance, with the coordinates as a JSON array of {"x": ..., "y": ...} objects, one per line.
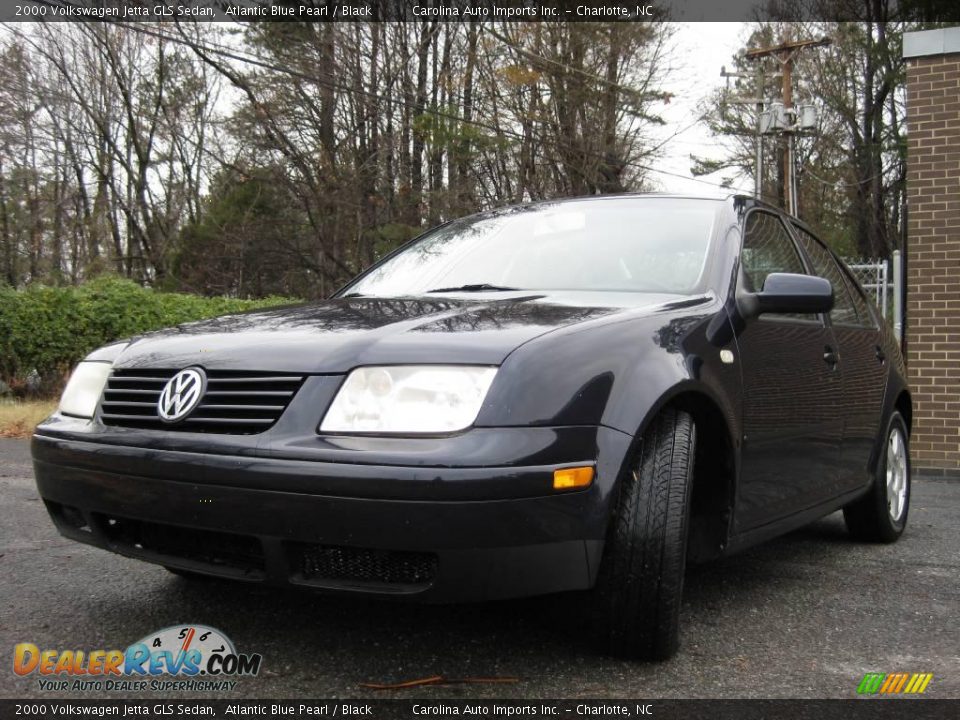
[
  {"x": 830, "y": 356},
  {"x": 881, "y": 355}
]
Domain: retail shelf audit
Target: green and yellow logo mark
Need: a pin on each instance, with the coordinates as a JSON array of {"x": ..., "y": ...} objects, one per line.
[{"x": 894, "y": 683}]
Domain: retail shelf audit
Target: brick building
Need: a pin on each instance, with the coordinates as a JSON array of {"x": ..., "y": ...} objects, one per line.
[{"x": 933, "y": 246}]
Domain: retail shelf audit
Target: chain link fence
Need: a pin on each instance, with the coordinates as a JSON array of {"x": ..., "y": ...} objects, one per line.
[
  {"x": 873, "y": 277},
  {"x": 881, "y": 279}
]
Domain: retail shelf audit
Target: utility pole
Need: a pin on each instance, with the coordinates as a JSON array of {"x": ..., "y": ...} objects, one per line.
[{"x": 784, "y": 53}]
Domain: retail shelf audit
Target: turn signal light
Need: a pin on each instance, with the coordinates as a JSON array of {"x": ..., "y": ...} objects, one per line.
[{"x": 572, "y": 478}]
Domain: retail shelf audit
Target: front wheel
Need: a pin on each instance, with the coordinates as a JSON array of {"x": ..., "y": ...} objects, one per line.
[
  {"x": 881, "y": 515},
  {"x": 640, "y": 584}
]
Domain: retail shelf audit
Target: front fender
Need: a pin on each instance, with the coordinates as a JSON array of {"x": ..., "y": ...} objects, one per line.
[
  {"x": 614, "y": 372},
  {"x": 619, "y": 374}
]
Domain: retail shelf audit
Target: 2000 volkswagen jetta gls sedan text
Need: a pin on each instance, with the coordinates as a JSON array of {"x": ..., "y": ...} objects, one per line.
[{"x": 572, "y": 395}]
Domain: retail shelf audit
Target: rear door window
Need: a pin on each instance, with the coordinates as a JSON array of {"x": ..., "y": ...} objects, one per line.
[{"x": 844, "y": 310}]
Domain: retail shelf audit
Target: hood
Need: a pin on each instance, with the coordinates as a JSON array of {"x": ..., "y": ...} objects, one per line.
[{"x": 337, "y": 335}]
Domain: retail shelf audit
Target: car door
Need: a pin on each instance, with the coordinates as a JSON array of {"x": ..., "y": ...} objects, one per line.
[
  {"x": 792, "y": 409},
  {"x": 864, "y": 365}
]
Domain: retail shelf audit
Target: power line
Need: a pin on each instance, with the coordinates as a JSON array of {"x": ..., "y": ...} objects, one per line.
[
  {"x": 567, "y": 68},
  {"x": 837, "y": 183}
]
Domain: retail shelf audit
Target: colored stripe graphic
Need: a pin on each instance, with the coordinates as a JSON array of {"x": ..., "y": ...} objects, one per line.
[
  {"x": 894, "y": 683},
  {"x": 871, "y": 683}
]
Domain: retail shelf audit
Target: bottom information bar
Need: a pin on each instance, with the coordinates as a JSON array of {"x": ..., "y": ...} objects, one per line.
[{"x": 872, "y": 709}]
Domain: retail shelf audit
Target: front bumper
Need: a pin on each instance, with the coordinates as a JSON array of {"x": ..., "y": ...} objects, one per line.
[{"x": 438, "y": 534}]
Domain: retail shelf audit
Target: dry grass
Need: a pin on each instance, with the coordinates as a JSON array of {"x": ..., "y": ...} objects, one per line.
[{"x": 18, "y": 419}]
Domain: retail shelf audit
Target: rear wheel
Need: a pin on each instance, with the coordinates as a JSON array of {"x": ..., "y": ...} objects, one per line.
[
  {"x": 881, "y": 515},
  {"x": 639, "y": 588}
]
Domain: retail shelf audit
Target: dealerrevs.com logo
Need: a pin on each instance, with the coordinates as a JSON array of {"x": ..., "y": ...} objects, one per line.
[{"x": 177, "y": 658}]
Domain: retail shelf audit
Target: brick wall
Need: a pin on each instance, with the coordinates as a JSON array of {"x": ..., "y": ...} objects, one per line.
[{"x": 933, "y": 258}]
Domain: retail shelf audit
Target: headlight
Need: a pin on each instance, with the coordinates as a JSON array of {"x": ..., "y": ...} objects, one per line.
[
  {"x": 83, "y": 389},
  {"x": 409, "y": 399}
]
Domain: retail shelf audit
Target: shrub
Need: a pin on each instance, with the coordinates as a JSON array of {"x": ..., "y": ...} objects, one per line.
[{"x": 44, "y": 331}]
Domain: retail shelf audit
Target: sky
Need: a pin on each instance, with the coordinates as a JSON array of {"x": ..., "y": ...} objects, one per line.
[{"x": 702, "y": 48}]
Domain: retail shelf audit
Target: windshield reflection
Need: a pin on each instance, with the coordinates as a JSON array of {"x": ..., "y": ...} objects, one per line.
[{"x": 628, "y": 244}]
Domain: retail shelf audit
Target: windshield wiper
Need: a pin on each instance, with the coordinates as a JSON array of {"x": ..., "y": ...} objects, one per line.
[{"x": 477, "y": 287}]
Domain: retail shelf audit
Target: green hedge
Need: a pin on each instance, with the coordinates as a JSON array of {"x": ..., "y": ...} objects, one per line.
[{"x": 50, "y": 329}]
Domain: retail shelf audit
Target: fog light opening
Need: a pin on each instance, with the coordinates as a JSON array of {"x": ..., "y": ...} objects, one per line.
[
  {"x": 574, "y": 478},
  {"x": 69, "y": 515}
]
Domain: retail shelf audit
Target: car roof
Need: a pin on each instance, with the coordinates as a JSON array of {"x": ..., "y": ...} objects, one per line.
[
  {"x": 629, "y": 196},
  {"x": 740, "y": 203},
  {"x": 494, "y": 211},
  {"x": 732, "y": 198}
]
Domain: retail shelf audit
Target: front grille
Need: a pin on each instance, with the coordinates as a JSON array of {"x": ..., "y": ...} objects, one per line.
[
  {"x": 235, "y": 402},
  {"x": 346, "y": 564},
  {"x": 214, "y": 549}
]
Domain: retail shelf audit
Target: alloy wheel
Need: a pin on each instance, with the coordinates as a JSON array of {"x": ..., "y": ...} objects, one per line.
[{"x": 897, "y": 469}]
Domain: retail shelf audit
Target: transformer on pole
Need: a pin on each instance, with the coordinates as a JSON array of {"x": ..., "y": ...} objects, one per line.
[{"x": 782, "y": 118}]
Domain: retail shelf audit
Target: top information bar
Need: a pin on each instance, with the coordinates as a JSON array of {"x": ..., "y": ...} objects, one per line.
[{"x": 459, "y": 10}]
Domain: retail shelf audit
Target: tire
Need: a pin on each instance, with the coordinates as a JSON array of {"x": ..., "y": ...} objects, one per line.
[
  {"x": 640, "y": 583},
  {"x": 881, "y": 514}
]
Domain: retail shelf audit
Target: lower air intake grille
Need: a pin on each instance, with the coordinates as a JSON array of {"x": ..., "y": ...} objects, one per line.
[
  {"x": 214, "y": 549},
  {"x": 235, "y": 402},
  {"x": 345, "y": 564}
]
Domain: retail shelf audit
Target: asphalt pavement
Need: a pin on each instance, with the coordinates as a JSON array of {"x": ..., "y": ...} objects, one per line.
[{"x": 805, "y": 615}]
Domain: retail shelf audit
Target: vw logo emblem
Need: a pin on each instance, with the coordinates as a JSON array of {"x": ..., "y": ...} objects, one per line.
[{"x": 182, "y": 394}]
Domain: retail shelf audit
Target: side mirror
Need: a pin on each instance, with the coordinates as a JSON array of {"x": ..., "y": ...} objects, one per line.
[{"x": 788, "y": 293}]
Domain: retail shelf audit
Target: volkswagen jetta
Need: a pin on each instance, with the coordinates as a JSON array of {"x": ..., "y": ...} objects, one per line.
[{"x": 566, "y": 396}]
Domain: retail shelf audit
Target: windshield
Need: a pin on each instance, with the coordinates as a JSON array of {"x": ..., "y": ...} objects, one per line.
[{"x": 623, "y": 245}]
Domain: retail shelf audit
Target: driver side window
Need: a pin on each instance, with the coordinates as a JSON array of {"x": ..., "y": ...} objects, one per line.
[{"x": 767, "y": 248}]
